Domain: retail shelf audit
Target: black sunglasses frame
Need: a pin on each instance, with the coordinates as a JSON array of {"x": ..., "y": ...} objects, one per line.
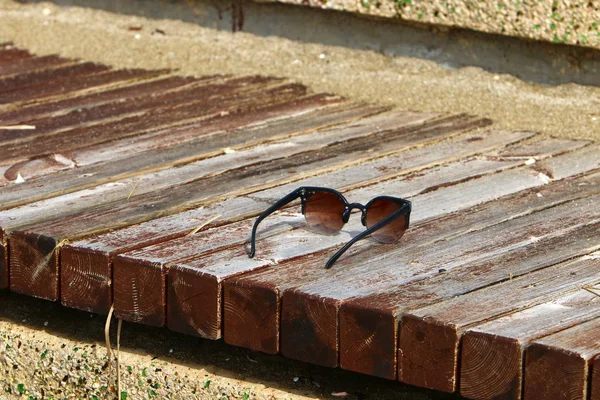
[{"x": 304, "y": 193}]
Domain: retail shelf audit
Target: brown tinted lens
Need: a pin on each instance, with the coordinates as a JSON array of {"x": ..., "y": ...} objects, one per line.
[
  {"x": 323, "y": 212},
  {"x": 380, "y": 209}
]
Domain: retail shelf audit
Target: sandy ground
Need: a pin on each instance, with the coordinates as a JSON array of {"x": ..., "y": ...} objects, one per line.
[{"x": 43, "y": 345}]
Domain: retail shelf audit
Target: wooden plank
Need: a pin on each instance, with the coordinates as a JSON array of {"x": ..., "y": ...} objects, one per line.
[
  {"x": 147, "y": 287},
  {"x": 167, "y": 148},
  {"x": 255, "y": 177},
  {"x": 100, "y": 256},
  {"x": 148, "y": 306},
  {"x": 196, "y": 285},
  {"x": 87, "y": 265},
  {"x": 369, "y": 324},
  {"x": 492, "y": 353},
  {"x": 169, "y": 116},
  {"x": 595, "y": 384},
  {"x": 166, "y": 250},
  {"x": 410, "y": 160},
  {"x": 32, "y": 64},
  {"x": 72, "y": 87},
  {"x": 118, "y": 103},
  {"x": 123, "y": 189},
  {"x": 430, "y": 336},
  {"x": 11, "y": 55},
  {"x": 558, "y": 366},
  {"x": 351, "y": 284},
  {"x": 38, "y": 78},
  {"x": 131, "y": 89},
  {"x": 199, "y": 93}
]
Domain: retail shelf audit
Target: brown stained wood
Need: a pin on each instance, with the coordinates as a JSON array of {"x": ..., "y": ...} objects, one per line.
[
  {"x": 148, "y": 206},
  {"x": 198, "y": 93},
  {"x": 192, "y": 282},
  {"x": 558, "y": 366},
  {"x": 122, "y": 190},
  {"x": 146, "y": 99},
  {"x": 595, "y": 382},
  {"x": 430, "y": 336},
  {"x": 153, "y": 262},
  {"x": 33, "y": 64},
  {"x": 168, "y": 148},
  {"x": 358, "y": 130},
  {"x": 74, "y": 86},
  {"x": 67, "y": 204},
  {"x": 10, "y": 55},
  {"x": 101, "y": 249},
  {"x": 38, "y": 78},
  {"x": 139, "y": 124},
  {"x": 369, "y": 324},
  {"x": 355, "y": 271},
  {"x": 492, "y": 353},
  {"x": 130, "y": 90},
  {"x": 86, "y": 265}
]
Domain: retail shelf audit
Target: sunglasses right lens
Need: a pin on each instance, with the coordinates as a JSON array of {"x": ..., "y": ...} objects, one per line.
[
  {"x": 380, "y": 209},
  {"x": 323, "y": 212}
]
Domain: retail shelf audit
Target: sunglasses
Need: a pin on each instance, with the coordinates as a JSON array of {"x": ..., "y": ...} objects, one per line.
[{"x": 327, "y": 210}]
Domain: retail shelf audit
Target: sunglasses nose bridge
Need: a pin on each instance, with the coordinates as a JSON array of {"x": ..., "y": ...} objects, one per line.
[{"x": 348, "y": 210}]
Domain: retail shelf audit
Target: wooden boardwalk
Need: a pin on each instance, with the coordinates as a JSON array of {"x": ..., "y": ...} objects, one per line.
[{"x": 138, "y": 189}]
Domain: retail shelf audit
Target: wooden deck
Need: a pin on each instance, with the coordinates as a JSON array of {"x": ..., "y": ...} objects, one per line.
[{"x": 491, "y": 293}]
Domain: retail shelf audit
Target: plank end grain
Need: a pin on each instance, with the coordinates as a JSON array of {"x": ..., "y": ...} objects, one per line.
[
  {"x": 595, "y": 395},
  {"x": 554, "y": 373},
  {"x": 33, "y": 265},
  {"x": 251, "y": 314},
  {"x": 193, "y": 302},
  {"x": 428, "y": 353},
  {"x": 368, "y": 338},
  {"x": 139, "y": 291},
  {"x": 85, "y": 279},
  {"x": 491, "y": 366},
  {"x": 309, "y": 328}
]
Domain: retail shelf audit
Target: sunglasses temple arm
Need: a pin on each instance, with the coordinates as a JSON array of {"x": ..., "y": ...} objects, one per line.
[
  {"x": 404, "y": 210},
  {"x": 276, "y": 206}
]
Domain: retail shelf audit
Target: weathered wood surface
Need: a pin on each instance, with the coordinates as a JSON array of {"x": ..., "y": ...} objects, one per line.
[
  {"x": 369, "y": 324},
  {"x": 595, "y": 380},
  {"x": 31, "y": 274},
  {"x": 558, "y": 366},
  {"x": 167, "y": 148},
  {"x": 32, "y": 64},
  {"x": 329, "y": 288},
  {"x": 492, "y": 353},
  {"x": 472, "y": 168},
  {"x": 138, "y": 189}
]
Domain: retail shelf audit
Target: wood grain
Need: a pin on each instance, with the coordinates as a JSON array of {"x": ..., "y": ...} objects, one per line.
[
  {"x": 101, "y": 249},
  {"x": 131, "y": 125},
  {"x": 32, "y": 64},
  {"x": 492, "y": 354},
  {"x": 355, "y": 272},
  {"x": 168, "y": 148},
  {"x": 151, "y": 205},
  {"x": 72, "y": 87},
  {"x": 558, "y": 366},
  {"x": 60, "y": 106},
  {"x": 369, "y": 324},
  {"x": 38, "y": 78},
  {"x": 595, "y": 383},
  {"x": 430, "y": 336}
]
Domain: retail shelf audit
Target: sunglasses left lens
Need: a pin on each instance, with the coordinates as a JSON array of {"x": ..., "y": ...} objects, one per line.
[
  {"x": 323, "y": 212},
  {"x": 380, "y": 209}
]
